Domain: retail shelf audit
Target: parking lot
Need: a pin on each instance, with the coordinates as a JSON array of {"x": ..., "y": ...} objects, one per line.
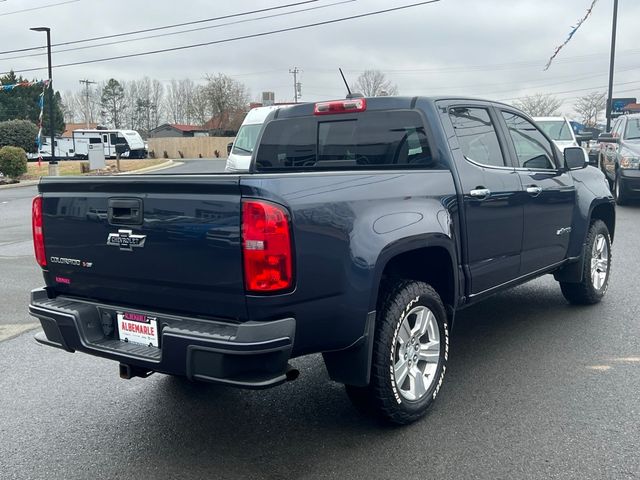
[{"x": 535, "y": 389}]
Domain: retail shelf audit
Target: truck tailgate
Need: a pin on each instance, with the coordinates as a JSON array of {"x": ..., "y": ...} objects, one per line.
[{"x": 161, "y": 242}]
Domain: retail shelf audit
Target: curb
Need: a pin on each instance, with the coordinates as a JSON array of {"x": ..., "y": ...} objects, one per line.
[
  {"x": 162, "y": 166},
  {"x": 27, "y": 183}
]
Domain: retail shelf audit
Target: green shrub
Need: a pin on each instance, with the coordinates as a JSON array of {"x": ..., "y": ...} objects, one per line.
[
  {"x": 19, "y": 133},
  {"x": 13, "y": 162}
]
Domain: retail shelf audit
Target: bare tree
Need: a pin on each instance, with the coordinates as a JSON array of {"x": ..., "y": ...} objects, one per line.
[
  {"x": 374, "y": 83},
  {"x": 143, "y": 99},
  {"x": 80, "y": 107},
  {"x": 200, "y": 109},
  {"x": 590, "y": 106},
  {"x": 539, "y": 105},
  {"x": 178, "y": 101},
  {"x": 227, "y": 100},
  {"x": 68, "y": 106}
]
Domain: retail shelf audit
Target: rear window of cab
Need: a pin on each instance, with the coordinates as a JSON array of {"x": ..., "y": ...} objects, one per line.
[{"x": 369, "y": 140}]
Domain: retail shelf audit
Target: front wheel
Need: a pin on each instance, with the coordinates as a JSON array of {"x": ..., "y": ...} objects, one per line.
[
  {"x": 596, "y": 270},
  {"x": 618, "y": 191},
  {"x": 410, "y": 354}
]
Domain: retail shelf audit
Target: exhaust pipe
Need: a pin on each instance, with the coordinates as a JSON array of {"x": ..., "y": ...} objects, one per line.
[
  {"x": 127, "y": 372},
  {"x": 292, "y": 374}
]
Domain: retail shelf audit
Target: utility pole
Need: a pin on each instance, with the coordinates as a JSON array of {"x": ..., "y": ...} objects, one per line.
[
  {"x": 611, "y": 62},
  {"x": 295, "y": 73},
  {"x": 53, "y": 163},
  {"x": 86, "y": 96}
]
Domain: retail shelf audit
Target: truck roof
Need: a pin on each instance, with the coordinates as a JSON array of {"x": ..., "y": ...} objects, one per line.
[{"x": 383, "y": 103}]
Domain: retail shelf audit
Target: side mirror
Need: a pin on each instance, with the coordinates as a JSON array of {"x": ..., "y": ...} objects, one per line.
[
  {"x": 583, "y": 137},
  {"x": 575, "y": 158},
  {"x": 229, "y": 147},
  {"x": 608, "y": 138}
]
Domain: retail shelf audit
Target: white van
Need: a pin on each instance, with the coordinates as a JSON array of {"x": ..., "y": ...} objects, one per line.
[{"x": 239, "y": 158}]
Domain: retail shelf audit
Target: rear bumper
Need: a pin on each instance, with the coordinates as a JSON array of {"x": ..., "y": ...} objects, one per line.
[{"x": 250, "y": 355}]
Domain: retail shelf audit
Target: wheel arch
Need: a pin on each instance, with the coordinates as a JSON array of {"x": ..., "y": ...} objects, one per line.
[
  {"x": 606, "y": 212},
  {"x": 401, "y": 258},
  {"x": 429, "y": 258}
]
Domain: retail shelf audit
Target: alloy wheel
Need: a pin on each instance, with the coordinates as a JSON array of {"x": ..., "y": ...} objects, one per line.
[{"x": 416, "y": 353}]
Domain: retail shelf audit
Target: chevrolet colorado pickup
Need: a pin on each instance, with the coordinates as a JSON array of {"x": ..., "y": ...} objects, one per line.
[{"x": 360, "y": 230}]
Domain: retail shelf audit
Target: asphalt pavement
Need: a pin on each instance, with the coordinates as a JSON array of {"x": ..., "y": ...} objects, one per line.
[{"x": 535, "y": 389}]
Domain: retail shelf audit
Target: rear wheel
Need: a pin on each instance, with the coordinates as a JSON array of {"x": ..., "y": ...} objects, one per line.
[
  {"x": 597, "y": 268},
  {"x": 409, "y": 354}
]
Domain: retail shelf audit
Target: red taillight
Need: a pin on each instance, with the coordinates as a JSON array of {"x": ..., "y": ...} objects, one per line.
[
  {"x": 266, "y": 245},
  {"x": 38, "y": 236},
  {"x": 340, "y": 106}
]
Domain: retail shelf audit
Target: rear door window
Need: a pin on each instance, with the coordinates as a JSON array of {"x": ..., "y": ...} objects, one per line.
[
  {"x": 389, "y": 139},
  {"x": 477, "y": 135}
]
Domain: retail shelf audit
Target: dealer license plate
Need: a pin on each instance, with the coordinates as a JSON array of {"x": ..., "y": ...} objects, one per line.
[{"x": 138, "y": 328}]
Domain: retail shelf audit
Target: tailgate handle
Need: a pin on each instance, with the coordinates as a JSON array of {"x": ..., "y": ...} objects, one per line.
[{"x": 125, "y": 211}]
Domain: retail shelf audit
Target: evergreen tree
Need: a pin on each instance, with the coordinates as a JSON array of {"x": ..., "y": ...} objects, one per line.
[
  {"x": 113, "y": 103},
  {"x": 22, "y": 103}
]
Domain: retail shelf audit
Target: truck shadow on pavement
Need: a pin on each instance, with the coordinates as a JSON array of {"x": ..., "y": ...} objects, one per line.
[{"x": 293, "y": 429}]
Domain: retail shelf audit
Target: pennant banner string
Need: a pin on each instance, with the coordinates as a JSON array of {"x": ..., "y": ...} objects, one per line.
[{"x": 574, "y": 29}]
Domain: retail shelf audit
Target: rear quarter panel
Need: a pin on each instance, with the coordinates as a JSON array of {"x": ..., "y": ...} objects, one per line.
[{"x": 345, "y": 227}]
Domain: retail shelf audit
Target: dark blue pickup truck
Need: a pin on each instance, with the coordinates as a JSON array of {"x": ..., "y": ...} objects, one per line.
[{"x": 362, "y": 227}]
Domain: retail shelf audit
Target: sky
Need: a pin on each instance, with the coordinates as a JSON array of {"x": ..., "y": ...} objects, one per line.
[{"x": 494, "y": 49}]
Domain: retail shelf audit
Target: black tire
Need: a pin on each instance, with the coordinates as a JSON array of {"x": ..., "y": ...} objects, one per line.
[
  {"x": 606, "y": 176},
  {"x": 383, "y": 397},
  {"x": 618, "y": 191},
  {"x": 585, "y": 292}
]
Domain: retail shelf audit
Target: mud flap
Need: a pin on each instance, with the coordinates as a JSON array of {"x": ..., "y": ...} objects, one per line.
[
  {"x": 352, "y": 366},
  {"x": 572, "y": 272}
]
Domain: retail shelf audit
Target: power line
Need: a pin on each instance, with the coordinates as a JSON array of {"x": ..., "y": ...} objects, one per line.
[
  {"x": 575, "y": 90},
  {"x": 243, "y": 37},
  {"x": 38, "y": 8},
  {"x": 162, "y": 35},
  {"x": 154, "y": 29}
]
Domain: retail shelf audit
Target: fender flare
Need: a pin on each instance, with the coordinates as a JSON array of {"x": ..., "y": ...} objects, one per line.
[{"x": 405, "y": 245}]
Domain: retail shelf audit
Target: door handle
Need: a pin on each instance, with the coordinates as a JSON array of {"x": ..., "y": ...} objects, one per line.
[
  {"x": 480, "y": 193},
  {"x": 534, "y": 190}
]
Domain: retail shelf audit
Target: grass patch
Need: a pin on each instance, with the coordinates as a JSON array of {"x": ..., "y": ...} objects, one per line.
[{"x": 72, "y": 167}]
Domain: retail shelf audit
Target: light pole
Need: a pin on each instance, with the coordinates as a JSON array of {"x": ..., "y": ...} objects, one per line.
[
  {"x": 611, "y": 61},
  {"x": 53, "y": 163}
]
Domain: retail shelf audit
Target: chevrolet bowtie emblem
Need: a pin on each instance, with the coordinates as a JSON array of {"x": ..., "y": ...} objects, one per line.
[{"x": 126, "y": 240}]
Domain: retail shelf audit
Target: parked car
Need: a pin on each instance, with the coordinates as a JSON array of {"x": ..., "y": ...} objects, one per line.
[
  {"x": 360, "y": 230},
  {"x": 560, "y": 131},
  {"x": 240, "y": 150},
  {"x": 620, "y": 157}
]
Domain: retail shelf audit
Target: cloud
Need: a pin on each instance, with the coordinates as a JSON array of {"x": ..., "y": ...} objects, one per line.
[{"x": 490, "y": 48}]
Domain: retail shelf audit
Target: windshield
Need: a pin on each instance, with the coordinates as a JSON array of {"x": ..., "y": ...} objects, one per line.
[
  {"x": 633, "y": 129},
  {"x": 556, "y": 129},
  {"x": 246, "y": 139}
]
